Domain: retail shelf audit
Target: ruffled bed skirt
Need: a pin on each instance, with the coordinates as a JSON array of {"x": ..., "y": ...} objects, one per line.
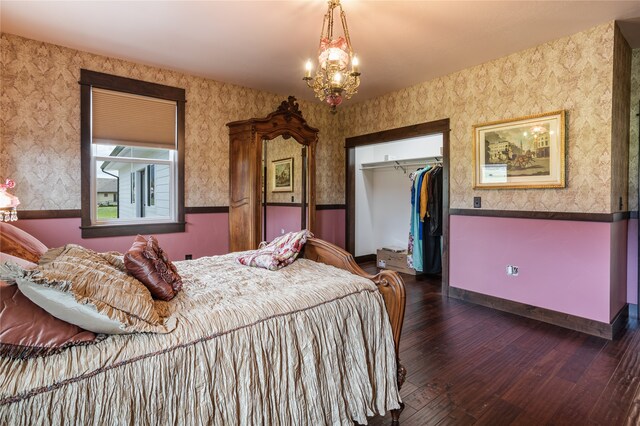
[{"x": 327, "y": 364}]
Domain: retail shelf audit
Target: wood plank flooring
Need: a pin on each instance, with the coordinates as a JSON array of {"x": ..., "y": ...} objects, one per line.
[{"x": 471, "y": 365}]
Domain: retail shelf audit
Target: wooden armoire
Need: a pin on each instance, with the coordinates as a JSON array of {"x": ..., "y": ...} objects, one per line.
[{"x": 245, "y": 170}]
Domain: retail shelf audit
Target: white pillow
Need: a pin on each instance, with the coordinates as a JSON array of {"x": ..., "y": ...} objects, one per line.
[{"x": 64, "y": 306}]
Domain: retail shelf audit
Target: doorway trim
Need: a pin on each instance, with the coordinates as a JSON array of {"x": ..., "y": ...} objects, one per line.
[
  {"x": 638, "y": 214},
  {"x": 422, "y": 129}
]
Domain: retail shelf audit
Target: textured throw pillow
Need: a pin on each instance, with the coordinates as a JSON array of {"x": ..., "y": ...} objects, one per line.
[
  {"x": 279, "y": 253},
  {"x": 26, "y": 330},
  {"x": 146, "y": 261},
  {"x": 16, "y": 242},
  {"x": 93, "y": 291},
  {"x": 24, "y": 264}
]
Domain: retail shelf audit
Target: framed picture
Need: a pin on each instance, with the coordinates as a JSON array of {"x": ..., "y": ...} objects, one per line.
[
  {"x": 525, "y": 152},
  {"x": 282, "y": 175}
]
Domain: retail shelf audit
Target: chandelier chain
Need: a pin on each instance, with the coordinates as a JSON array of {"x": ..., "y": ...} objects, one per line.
[{"x": 343, "y": 18}]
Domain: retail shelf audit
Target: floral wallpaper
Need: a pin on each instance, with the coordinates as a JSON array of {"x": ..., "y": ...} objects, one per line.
[
  {"x": 40, "y": 125},
  {"x": 573, "y": 73},
  {"x": 633, "y": 133},
  {"x": 40, "y": 129}
]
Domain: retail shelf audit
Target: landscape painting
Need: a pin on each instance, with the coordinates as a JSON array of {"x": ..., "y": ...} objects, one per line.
[
  {"x": 282, "y": 175},
  {"x": 524, "y": 152}
]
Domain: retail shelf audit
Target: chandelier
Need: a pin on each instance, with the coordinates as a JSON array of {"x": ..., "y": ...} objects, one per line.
[
  {"x": 337, "y": 76},
  {"x": 8, "y": 202}
]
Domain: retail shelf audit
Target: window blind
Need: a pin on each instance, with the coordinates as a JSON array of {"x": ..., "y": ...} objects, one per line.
[{"x": 124, "y": 119}]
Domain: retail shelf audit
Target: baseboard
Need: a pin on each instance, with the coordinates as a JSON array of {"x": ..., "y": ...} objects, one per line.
[
  {"x": 365, "y": 258},
  {"x": 595, "y": 328},
  {"x": 619, "y": 322}
]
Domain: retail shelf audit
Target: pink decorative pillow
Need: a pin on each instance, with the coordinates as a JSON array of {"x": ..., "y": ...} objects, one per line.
[
  {"x": 279, "y": 253},
  {"x": 26, "y": 330},
  {"x": 147, "y": 262},
  {"x": 24, "y": 264},
  {"x": 16, "y": 242}
]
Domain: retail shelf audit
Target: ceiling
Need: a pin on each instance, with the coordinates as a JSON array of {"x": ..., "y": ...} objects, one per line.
[{"x": 264, "y": 44}]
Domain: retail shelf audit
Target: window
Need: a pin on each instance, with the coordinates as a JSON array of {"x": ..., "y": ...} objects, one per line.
[
  {"x": 137, "y": 169},
  {"x": 133, "y": 188},
  {"x": 132, "y": 147},
  {"x": 151, "y": 184}
]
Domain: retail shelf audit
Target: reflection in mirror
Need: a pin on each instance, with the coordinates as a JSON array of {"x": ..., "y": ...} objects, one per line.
[{"x": 284, "y": 165}]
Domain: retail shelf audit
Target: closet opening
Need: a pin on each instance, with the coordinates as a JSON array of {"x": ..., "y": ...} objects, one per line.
[{"x": 384, "y": 173}]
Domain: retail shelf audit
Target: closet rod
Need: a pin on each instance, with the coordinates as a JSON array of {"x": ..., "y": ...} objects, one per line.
[{"x": 403, "y": 164}]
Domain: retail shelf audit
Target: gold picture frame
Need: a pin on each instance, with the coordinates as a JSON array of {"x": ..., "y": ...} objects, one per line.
[
  {"x": 282, "y": 175},
  {"x": 525, "y": 152}
]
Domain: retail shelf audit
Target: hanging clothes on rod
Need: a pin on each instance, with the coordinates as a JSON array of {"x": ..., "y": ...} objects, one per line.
[
  {"x": 415, "y": 249},
  {"x": 424, "y": 251},
  {"x": 432, "y": 229}
]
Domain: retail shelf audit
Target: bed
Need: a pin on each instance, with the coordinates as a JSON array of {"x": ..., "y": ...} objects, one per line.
[{"x": 314, "y": 343}]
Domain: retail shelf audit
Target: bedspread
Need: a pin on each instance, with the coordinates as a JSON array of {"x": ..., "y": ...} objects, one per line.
[{"x": 306, "y": 345}]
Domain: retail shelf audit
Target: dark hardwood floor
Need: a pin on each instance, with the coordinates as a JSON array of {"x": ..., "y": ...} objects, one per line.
[{"x": 468, "y": 364}]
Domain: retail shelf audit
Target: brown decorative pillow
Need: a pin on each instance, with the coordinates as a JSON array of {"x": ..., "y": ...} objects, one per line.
[
  {"x": 26, "y": 330},
  {"x": 16, "y": 242},
  {"x": 146, "y": 261}
]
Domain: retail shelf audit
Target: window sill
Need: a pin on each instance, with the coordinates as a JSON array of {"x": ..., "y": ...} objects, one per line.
[{"x": 123, "y": 230}]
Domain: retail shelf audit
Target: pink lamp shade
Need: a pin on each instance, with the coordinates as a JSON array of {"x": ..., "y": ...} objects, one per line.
[
  {"x": 8, "y": 202},
  {"x": 334, "y": 51}
]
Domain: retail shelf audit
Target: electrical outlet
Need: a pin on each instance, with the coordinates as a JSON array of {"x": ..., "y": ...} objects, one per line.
[
  {"x": 477, "y": 202},
  {"x": 620, "y": 204},
  {"x": 188, "y": 257},
  {"x": 292, "y": 200},
  {"x": 382, "y": 263},
  {"x": 512, "y": 270}
]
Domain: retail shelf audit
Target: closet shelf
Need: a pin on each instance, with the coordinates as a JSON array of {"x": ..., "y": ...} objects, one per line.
[{"x": 401, "y": 164}]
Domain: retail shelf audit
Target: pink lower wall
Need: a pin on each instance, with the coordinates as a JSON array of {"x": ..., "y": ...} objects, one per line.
[
  {"x": 565, "y": 266},
  {"x": 282, "y": 219},
  {"x": 331, "y": 226},
  {"x": 632, "y": 261},
  {"x": 587, "y": 269},
  {"x": 206, "y": 234}
]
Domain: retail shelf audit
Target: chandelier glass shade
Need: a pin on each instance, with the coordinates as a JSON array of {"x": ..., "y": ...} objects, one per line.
[{"x": 337, "y": 76}]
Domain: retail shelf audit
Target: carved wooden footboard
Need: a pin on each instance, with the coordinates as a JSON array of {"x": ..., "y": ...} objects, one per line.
[{"x": 389, "y": 283}]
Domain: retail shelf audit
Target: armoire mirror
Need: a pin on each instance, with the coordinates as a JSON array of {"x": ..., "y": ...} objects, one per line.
[
  {"x": 254, "y": 145},
  {"x": 285, "y": 190}
]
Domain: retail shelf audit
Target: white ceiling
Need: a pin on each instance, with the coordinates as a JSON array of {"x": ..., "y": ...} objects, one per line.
[{"x": 264, "y": 44}]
